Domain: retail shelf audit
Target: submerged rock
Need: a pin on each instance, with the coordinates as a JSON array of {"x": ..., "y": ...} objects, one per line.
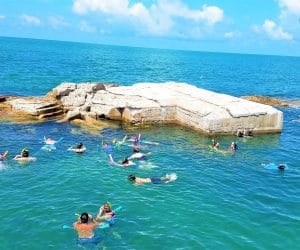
[{"x": 267, "y": 100}]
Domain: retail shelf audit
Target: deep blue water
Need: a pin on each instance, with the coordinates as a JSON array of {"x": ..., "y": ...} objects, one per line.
[{"x": 218, "y": 201}]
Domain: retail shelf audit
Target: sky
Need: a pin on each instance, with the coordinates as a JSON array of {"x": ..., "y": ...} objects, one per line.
[{"x": 245, "y": 26}]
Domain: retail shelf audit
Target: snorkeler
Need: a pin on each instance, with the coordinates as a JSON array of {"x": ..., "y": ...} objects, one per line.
[
  {"x": 138, "y": 155},
  {"x": 79, "y": 148},
  {"x": 106, "y": 212},
  {"x": 135, "y": 139},
  {"x": 49, "y": 141},
  {"x": 125, "y": 162},
  {"x": 233, "y": 146},
  {"x": 119, "y": 143},
  {"x": 154, "y": 180},
  {"x": 3, "y": 156},
  {"x": 24, "y": 156},
  {"x": 84, "y": 229},
  {"x": 217, "y": 146},
  {"x": 108, "y": 149}
]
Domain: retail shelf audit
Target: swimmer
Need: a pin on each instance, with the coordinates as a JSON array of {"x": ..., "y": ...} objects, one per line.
[
  {"x": 281, "y": 167},
  {"x": 49, "y": 141},
  {"x": 105, "y": 212},
  {"x": 239, "y": 133},
  {"x": 154, "y": 180},
  {"x": 3, "y": 156},
  {"x": 119, "y": 143},
  {"x": 24, "y": 156},
  {"x": 124, "y": 163},
  {"x": 79, "y": 148},
  {"x": 138, "y": 155},
  {"x": 248, "y": 133},
  {"x": 135, "y": 139},
  {"x": 106, "y": 147},
  {"x": 217, "y": 146},
  {"x": 233, "y": 146},
  {"x": 84, "y": 229}
]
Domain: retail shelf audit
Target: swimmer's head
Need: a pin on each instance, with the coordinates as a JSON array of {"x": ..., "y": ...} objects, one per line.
[
  {"x": 136, "y": 150},
  {"x": 107, "y": 207},
  {"x": 131, "y": 177},
  {"x": 84, "y": 218},
  {"x": 281, "y": 167},
  {"x": 125, "y": 161},
  {"x": 79, "y": 145}
]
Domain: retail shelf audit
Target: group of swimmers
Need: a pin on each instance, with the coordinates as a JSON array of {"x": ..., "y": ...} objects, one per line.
[
  {"x": 86, "y": 223},
  {"x": 136, "y": 155},
  {"x": 244, "y": 133},
  {"x": 49, "y": 145},
  {"x": 216, "y": 146}
]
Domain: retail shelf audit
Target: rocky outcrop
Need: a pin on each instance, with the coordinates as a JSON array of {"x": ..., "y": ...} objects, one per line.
[
  {"x": 148, "y": 103},
  {"x": 40, "y": 107},
  {"x": 2, "y": 98},
  {"x": 267, "y": 100}
]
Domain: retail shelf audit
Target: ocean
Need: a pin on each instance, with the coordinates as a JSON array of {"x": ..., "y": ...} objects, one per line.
[{"x": 219, "y": 201}]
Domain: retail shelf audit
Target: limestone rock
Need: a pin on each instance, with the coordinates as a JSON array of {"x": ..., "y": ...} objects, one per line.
[
  {"x": 73, "y": 114},
  {"x": 64, "y": 89},
  {"x": 171, "y": 102}
]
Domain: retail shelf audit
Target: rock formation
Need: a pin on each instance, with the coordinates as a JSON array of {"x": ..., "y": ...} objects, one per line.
[{"x": 149, "y": 103}]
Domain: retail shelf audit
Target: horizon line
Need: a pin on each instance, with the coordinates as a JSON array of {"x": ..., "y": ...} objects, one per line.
[{"x": 145, "y": 47}]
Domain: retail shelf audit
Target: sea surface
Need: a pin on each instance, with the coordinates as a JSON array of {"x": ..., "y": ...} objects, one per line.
[{"x": 219, "y": 200}]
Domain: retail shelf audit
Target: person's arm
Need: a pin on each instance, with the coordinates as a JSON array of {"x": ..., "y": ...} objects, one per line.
[
  {"x": 124, "y": 139},
  {"x": 111, "y": 159},
  {"x": 99, "y": 213},
  {"x": 75, "y": 224},
  {"x": 17, "y": 157},
  {"x": 5, "y": 154},
  {"x": 93, "y": 220}
]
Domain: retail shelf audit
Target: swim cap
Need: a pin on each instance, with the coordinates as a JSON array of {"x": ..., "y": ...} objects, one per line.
[{"x": 84, "y": 217}]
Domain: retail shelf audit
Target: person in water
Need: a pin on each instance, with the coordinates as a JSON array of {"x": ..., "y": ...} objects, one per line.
[
  {"x": 117, "y": 143},
  {"x": 154, "y": 180},
  {"x": 281, "y": 167},
  {"x": 3, "y": 156},
  {"x": 125, "y": 162},
  {"x": 233, "y": 146},
  {"x": 85, "y": 229},
  {"x": 248, "y": 133},
  {"x": 79, "y": 148},
  {"x": 49, "y": 141},
  {"x": 239, "y": 133},
  {"x": 138, "y": 155},
  {"x": 24, "y": 154},
  {"x": 217, "y": 146},
  {"x": 105, "y": 212}
]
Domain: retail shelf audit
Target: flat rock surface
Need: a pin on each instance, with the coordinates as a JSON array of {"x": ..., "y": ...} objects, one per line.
[{"x": 169, "y": 102}]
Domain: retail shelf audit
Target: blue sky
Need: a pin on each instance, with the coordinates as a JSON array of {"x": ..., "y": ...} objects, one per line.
[{"x": 249, "y": 26}]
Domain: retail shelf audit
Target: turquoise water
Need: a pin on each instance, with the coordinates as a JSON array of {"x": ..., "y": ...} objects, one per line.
[{"x": 218, "y": 201}]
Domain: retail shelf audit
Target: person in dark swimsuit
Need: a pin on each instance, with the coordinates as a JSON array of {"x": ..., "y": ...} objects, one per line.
[{"x": 154, "y": 180}]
